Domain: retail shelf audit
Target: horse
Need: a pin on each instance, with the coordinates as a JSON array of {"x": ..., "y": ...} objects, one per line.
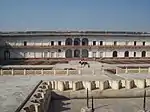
[{"x": 84, "y": 63}]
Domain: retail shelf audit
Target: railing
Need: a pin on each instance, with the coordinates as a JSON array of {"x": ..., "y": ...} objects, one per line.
[
  {"x": 77, "y": 46},
  {"x": 51, "y": 72}
]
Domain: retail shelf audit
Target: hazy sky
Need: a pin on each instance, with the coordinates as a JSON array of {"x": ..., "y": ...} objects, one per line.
[{"x": 20, "y": 15}]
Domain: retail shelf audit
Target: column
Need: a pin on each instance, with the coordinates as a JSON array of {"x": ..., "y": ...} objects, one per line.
[
  {"x": 1, "y": 72},
  {"x": 54, "y": 72},
  {"x": 12, "y": 72},
  {"x": 115, "y": 84},
  {"x": 139, "y": 69},
  {"x": 126, "y": 70},
  {"x": 61, "y": 86},
  {"x": 42, "y": 71},
  {"x": 24, "y": 72},
  {"x": 67, "y": 72}
]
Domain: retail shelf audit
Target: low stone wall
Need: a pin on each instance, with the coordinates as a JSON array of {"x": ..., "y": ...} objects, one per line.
[
  {"x": 40, "y": 99},
  {"x": 37, "y": 72}
]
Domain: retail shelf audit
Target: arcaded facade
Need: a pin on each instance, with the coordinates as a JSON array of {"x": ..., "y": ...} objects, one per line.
[{"x": 74, "y": 44}]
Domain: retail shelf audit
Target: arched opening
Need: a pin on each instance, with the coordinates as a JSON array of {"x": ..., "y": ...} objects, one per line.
[
  {"x": 6, "y": 55},
  {"x": 68, "y": 53},
  {"x": 77, "y": 41},
  {"x": 85, "y": 41},
  {"x": 77, "y": 53},
  {"x": 85, "y": 53},
  {"x": 126, "y": 54},
  {"x": 143, "y": 53},
  {"x": 68, "y": 41},
  {"x": 114, "y": 53}
]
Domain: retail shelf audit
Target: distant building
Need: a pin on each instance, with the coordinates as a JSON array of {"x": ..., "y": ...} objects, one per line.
[{"x": 74, "y": 44}]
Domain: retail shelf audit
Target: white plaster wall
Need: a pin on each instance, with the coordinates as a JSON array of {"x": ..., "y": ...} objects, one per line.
[{"x": 39, "y": 53}]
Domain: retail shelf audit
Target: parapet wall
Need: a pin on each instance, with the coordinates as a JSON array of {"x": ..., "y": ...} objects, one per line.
[{"x": 41, "y": 98}]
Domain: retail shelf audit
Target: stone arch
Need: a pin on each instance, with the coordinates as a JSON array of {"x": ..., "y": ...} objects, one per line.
[
  {"x": 143, "y": 53},
  {"x": 126, "y": 54},
  {"x": 68, "y": 41},
  {"x": 85, "y": 41},
  {"x": 77, "y": 41},
  {"x": 85, "y": 53},
  {"x": 115, "y": 53},
  {"x": 68, "y": 53},
  {"x": 6, "y": 54},
  {"x": 77, "y": 53}
]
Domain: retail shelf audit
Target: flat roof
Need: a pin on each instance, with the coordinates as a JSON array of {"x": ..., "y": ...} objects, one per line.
[{"x": 84, "y": 33}]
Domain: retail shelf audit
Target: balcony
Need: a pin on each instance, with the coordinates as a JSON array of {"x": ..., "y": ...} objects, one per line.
[{"x": 78, "y": 46}]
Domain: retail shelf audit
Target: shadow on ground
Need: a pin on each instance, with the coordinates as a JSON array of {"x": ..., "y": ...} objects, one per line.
[{"x": 59, "y": 103}]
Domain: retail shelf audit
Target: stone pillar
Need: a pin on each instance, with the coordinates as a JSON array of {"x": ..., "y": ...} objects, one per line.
[
  {"x": 1, "y": 71},
  {"x": 36, "y": 106},
  {"x": 55, "y": 85},
  {"x": 115, "y": 84},
  {"x": 129, "y": 84},
  {"x": 79, "y": 71},
  {"x": 126, "y": 70},
  {"x": 149, "y": 70},
  {"x": 67, "y": 72},
  {"x": 75, "y": 86},
  {"x": 61, "y": 86},
  {"x": 24, "y": 72},
  {"x": 89, "y": 85},
  {"x": 70, "y": 84},
  {"x": 139, "y": 69},
  {"x": 147, "y": 82},
  {"x": 49, "y": 84},
  {"x": 123, "y": 83},
  {"x": 104, "y": 85},
  {"x": 54, "y": 72},
  {"x": 117, "y": 70},
  {"x": 42, "y": 94},
  {"x": 12, "y": 72},
  {"x": 140, "y": 83},
  {"x": 42, "y": 71},
  {"x": 97, "y": 84}
]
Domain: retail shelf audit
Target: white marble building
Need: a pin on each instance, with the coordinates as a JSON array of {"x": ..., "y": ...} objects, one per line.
[{"x": 74, "y": 44}]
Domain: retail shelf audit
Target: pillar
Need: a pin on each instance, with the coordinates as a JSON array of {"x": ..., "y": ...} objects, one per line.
[
  {"x": 70, "y": 84},
  {"x": 60, "y": 86},
  {"x": 126, "y": 70},
  {"x": 75, "y": 86},
  {"x": 42, "y": 94},
  {"x": 79, "y": 71},
  {"x": 139, "y": 69},
  {"x": 89, "y": 85},
  {"x": 149, "y": 70},
  {"x": 104, "y": 85},
  {"x": 97, "y": 84},
  {"x": 67, "y": 72},
  {"x": 54, "y": 72},
  {"x": 55, "y": 84},
  {"x": 12, "y": 72},
  {"x": 140, "y": 83},
  {"x": 147, "y": 82},
  {"x": 42, "y": 71},
  {"x": 1, "y": 71},
  {"x": 129, "y": 84},
  {"x": 115, "y": 84},
  {"x": 36, "y": 105},
  {"x": 24, "y": 72},
  {"x": 49, "y": 84}
]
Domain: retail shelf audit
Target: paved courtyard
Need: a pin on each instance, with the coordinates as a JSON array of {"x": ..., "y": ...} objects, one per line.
[
  {"x": 100, "y": 105},
  {"x": 14, "y": 89}
]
